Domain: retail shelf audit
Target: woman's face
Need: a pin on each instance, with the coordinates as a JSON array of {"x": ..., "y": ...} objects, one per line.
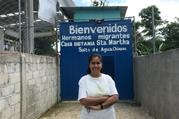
[{"x": 95, "y": 66}]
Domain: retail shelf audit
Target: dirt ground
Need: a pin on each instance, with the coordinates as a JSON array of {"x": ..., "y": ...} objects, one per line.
[{"x": 71, "y": 110}]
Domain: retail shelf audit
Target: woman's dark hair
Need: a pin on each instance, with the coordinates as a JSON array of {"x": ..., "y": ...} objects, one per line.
[{"x": 90, "y": 58}]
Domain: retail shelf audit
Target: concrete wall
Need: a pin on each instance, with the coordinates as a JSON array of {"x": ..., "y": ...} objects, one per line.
[
  {"x": 9, "y": 86},
  {"x": 28, "y": 85},
  {"x": 156, "y": 81}
]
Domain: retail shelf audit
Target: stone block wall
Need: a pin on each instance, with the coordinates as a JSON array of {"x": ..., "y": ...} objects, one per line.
[
  {"x": 39, "y": 85},
  {"x": 28, "y": 85},
  {"x": 9, "y": 86}
]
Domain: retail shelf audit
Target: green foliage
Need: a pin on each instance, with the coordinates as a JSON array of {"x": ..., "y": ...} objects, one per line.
[
  {"x": 144, "y": 38},
  {"x": 171, "y": 35},
  {"x": 158, "y": 44},
  {"x": 144, "y": 47},
  {"x": 146, "y": 22},
  {"x": 95, "y": 3}
]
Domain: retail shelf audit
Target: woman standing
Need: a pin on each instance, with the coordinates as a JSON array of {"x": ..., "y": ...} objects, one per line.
[{"x": 97, "y": 92}]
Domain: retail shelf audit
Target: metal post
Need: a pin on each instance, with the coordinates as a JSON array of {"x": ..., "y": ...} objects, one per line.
[
  {"x": 2, "y": 40},
  {"x": 135, "y": 39},
  {"x": 58, "y": 65},
  {"x": 20, "y": 50},
  {"x": 20, "y": 39},
  {"x": 30, "y": 27},
  {"x": 58, "y": 60},
  {"x": 153, "y": 27}
]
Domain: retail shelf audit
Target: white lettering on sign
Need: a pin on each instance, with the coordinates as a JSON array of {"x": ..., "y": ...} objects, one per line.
[
  {"x": 66, "y": 44},
  {"x": 97, "y": 38},
  {"x": 101, "y": 42},
  {"x": 84, "y": 37},
  {"x": 80, "y": 49},
  {"x": 75, "y": 29},
  {"x": 105, "y": 37},
  {"x": 95, "y": 49},
  {"x": 112, "y": 49},
  {"x": 119, "y": 42},
  {"x": 114, "y": 36},
  {"x": 87, "y": 43}
]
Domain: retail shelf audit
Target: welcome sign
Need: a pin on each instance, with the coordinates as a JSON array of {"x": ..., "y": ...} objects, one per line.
[
  {"x": 95, "y": 36},
  {"x": 111, "y": 39}
]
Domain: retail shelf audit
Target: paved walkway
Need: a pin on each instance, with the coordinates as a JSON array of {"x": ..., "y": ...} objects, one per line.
[{"x": 71, "y": 110}]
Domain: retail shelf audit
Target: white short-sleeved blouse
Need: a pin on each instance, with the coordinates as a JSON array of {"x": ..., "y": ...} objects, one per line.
[{"x": 90, "y": 86}]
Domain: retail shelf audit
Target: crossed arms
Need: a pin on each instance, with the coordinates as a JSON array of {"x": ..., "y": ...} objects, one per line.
[{"x": 99, "y": 102}]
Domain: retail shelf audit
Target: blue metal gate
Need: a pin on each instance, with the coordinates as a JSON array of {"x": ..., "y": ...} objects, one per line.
[{"x": 112, "y": 39}]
